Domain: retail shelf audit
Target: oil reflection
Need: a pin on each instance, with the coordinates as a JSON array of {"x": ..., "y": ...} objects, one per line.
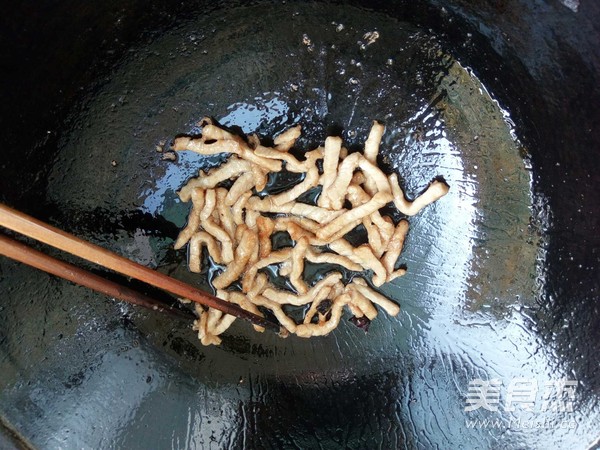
[
  {"x": 475, "y": 262},
  {"x": 266, "y": 110}
]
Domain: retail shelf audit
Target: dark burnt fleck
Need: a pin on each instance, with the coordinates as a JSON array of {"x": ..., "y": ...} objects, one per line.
[
  {"x": 324, "y": 306},
  {"x": 361, "y": 322}
]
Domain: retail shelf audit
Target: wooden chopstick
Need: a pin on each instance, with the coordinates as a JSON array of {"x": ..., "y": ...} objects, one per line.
[
  {"x": 23, "y": 253},
  {"x": 40, "y": 231}
]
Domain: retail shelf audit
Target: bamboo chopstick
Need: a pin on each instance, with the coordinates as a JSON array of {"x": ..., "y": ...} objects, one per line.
[
  {"x": 40, "y": 231},
  {"x": 34, "y": 258}
]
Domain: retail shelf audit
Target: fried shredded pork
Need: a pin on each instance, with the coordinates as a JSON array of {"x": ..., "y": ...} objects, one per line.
[{"x": 236, "y": 227}]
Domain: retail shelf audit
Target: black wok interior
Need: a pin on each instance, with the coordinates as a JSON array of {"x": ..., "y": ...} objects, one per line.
[{"x": 540, "y": 60}]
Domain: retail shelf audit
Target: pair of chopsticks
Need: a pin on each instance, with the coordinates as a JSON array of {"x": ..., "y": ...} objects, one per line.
[{"x": 47, "y": 234}]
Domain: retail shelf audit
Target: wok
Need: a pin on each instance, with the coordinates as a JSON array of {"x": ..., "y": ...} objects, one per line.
[{"x": 499, "y": 97}]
